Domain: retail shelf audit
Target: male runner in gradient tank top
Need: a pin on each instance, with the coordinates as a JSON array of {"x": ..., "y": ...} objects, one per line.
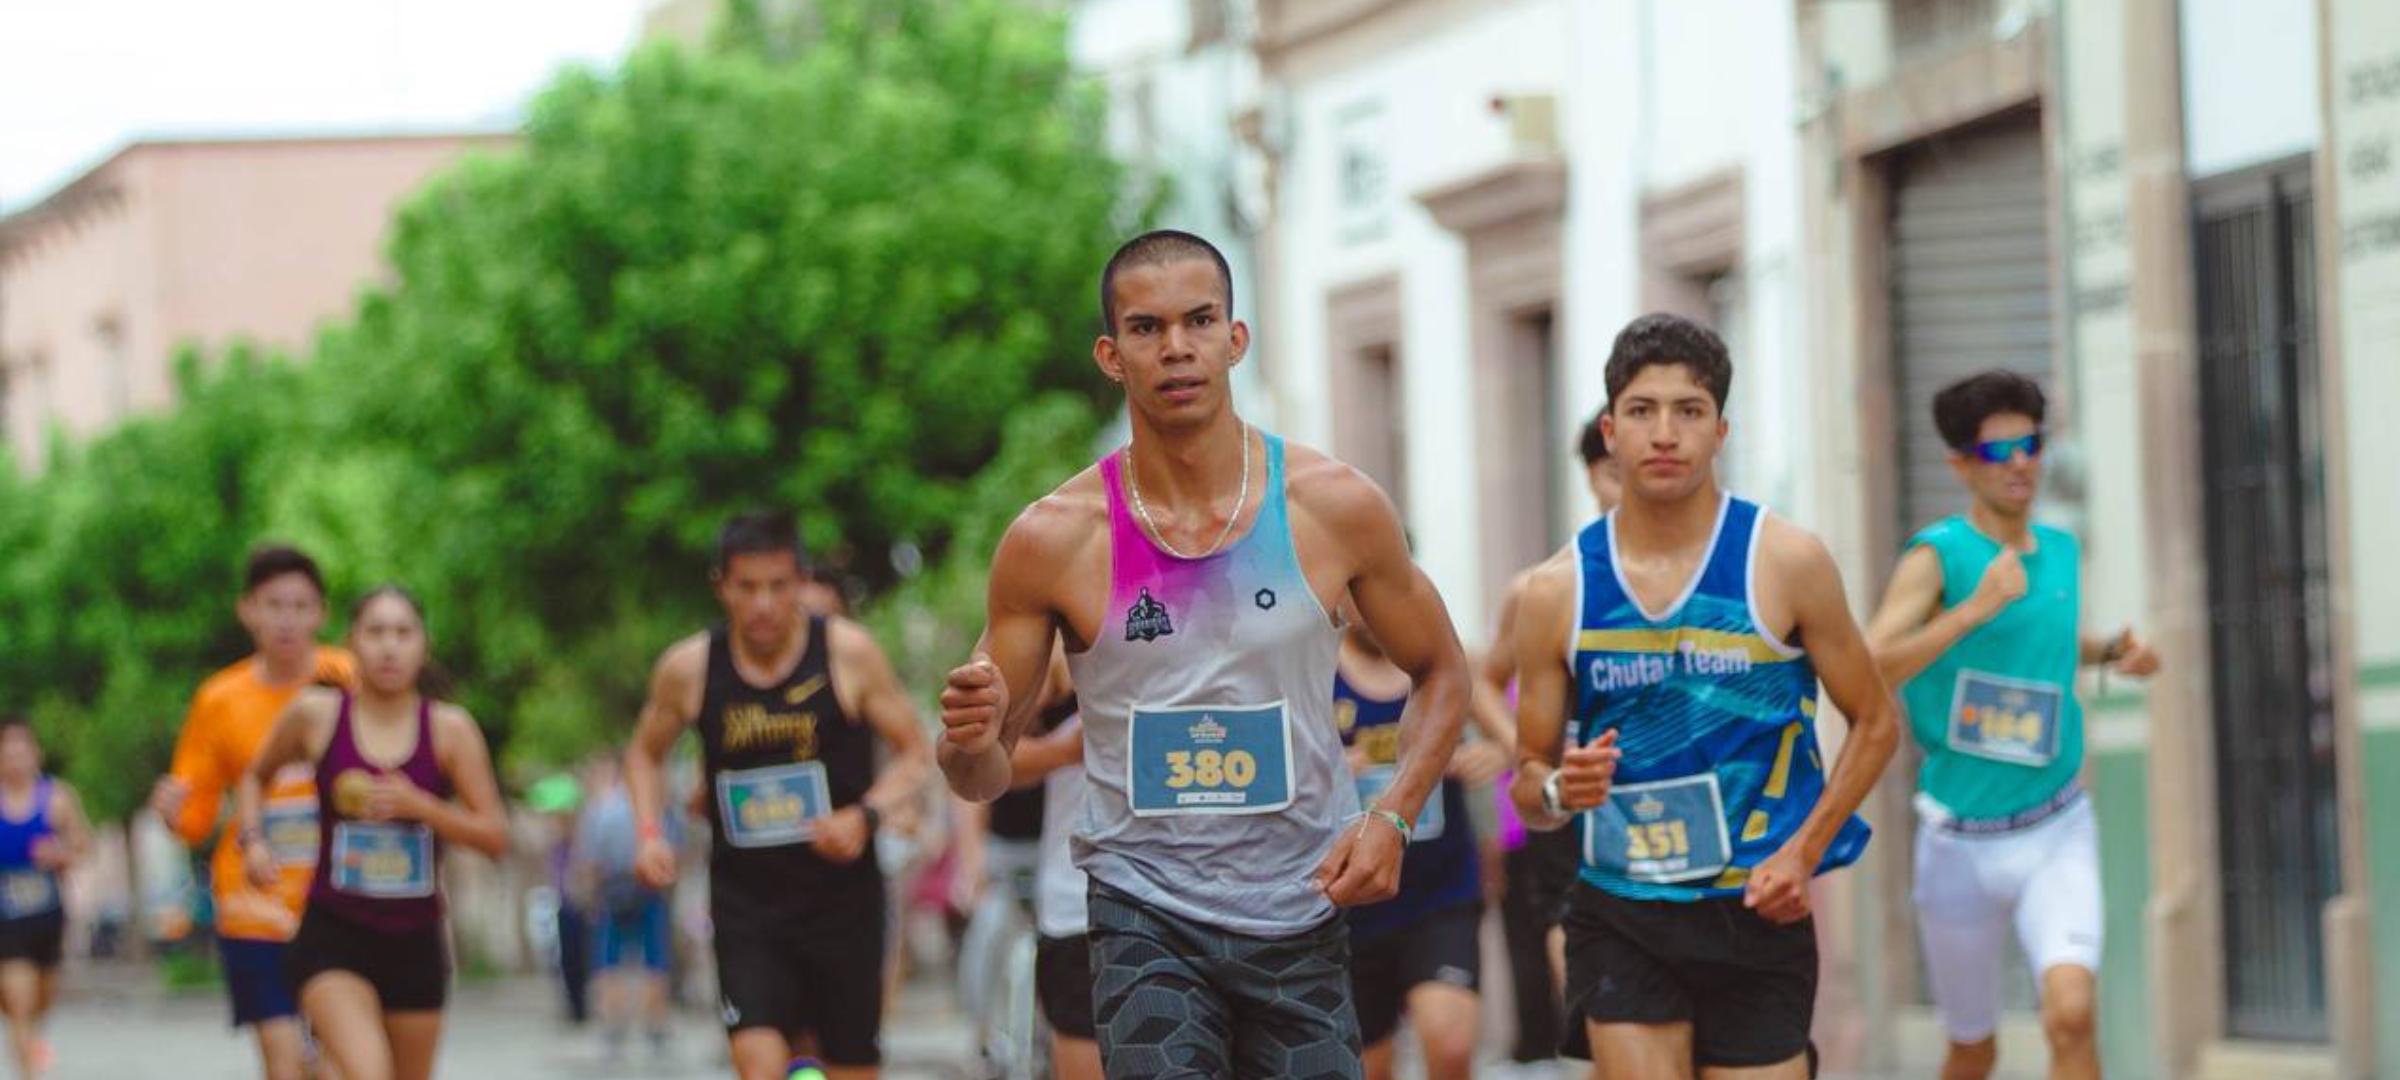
[{"x": 1193, "y": 575}]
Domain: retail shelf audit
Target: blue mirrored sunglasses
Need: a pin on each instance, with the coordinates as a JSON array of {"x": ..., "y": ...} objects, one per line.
[{"x": 2003, "y": 451}]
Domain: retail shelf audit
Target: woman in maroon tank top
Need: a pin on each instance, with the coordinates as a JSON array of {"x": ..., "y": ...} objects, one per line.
[{"x": 370, "y": 962}]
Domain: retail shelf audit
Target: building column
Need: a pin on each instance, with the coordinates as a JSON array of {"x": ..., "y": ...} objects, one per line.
[
  {"x": 2350, "y": 948},
  {"x": 2185, "y": 910}
]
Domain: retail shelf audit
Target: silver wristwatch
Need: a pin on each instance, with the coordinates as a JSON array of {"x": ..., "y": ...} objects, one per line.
[{"x": 1550, "y": 799}]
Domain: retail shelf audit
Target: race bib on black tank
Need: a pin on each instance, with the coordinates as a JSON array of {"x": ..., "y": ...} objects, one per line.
[
  {"x": 1209, "y": 760},
  {"x": 386, "y": 860},
  {"x": 2003, "y": 719},
  {"x": 773, "y": 806}
]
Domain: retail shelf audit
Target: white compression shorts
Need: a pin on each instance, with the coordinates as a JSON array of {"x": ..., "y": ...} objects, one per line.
[{"x": 2045, "y": 879}]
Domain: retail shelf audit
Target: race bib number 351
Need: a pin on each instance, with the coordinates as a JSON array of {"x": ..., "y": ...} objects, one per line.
[
  {"x": 2002, "y": 719},
  {"x": 1209, "y": 760},
  {"x": 773, "y": 806},
  {"x": 383, "y": 859},
  {"x": 1662, "y": 831}
]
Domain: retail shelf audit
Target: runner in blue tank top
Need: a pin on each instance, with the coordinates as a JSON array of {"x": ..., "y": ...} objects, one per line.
[
  {"x": 42, "y": 832},
  {"x": 1193, "y": 575},
  {"x": 1417, "y": 954},
  {"x": 1685, "y": 634},
  {"x": 1982, "y": 622}
]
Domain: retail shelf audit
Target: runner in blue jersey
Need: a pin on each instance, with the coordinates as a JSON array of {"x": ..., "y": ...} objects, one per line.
[
  {"x": 1193, "y": 575},
  {"x": 1684, "y": 635},
  {"x": 1418, "y": 954},
  {"x": 1983, "y": 624}
]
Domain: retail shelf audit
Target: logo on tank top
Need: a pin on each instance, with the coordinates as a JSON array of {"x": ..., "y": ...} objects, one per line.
[
  {"x": 750, "y": 725},
  {"x": 1265, "y": 599},
  {"x": 1147, "y": 619}
]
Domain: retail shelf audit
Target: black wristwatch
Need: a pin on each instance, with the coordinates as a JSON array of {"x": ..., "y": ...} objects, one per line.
[{"x": 874, "y": 820}]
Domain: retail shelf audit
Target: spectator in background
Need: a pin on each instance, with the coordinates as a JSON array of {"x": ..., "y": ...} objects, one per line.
[
  {"x": 557, "y": 798},
  {"x": 633, "y": 931}
]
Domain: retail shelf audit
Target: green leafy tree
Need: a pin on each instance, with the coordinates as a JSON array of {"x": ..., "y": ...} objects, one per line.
[{"x": 842, "y": 265}]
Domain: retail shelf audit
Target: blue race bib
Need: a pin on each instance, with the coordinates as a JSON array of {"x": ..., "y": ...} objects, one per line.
[
  {"x": 1209, "y": 760},
  {"x": 1377, "y": 779},
  {"x": 2002, "y": 719},
  {"x": 772, "y": 806},
  {"x": 1659, "y": 832},
  {"x": 386, "y": 860},
  {"x": 26, "y": 893},
  {"x": 290, "y": 825}
]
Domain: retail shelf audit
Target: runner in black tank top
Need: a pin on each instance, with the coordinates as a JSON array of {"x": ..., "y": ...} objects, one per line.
[
  {"x": 788, "y": 707},
  {"x": 766, "y": 746}
]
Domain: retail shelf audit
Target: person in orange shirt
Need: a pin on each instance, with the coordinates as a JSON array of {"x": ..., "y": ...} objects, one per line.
[{"x": 283, "y": 607}]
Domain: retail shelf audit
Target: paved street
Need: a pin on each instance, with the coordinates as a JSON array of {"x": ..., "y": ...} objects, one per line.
[{"x": 114, "y": 1026}]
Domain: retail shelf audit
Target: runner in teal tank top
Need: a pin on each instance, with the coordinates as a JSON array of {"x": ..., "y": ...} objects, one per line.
[
  {"x": 1685, "y": 634},
  {"x": 1982, "y": 623}
]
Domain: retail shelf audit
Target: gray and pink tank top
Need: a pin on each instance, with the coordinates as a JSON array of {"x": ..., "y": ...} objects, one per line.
[
  {"x": 382, "y": 874},
  {"x": 1216, "y": 771}
]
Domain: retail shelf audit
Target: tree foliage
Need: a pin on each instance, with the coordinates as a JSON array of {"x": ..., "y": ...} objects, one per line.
[{"x": 842, "y": 265}]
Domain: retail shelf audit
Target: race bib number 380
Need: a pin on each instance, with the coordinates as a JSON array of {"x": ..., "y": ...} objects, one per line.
[
  {"x": 773, "y": 806},
  {"x": 1663, "y": 831},
  {"x": 382, "y": 859},
  {"x": 2011, "y": 720},
  {"x": 1209, "y": 760}
]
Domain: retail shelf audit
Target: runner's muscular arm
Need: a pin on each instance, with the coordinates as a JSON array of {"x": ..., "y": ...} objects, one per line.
[
  {"x": 1496, "y": 667},
  {"x": 1348, "y": 514},
  {"x": 292, "y": 739},
  {"x": 1778, "y": 888},
  {"x": 1911, "y": 629},
  {"x": 981, "y": 718},
  {"x": 674, "y": 688},
  {"x": 1545, "y": 621},
  {"x": 188, "y": 797},
  {"x": 1398, "y": 604},
  {"x": 73, "y": 842},
  {"x": 885, "y": 708}
]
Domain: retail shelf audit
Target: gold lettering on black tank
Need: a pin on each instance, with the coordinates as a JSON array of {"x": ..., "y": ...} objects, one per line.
[{"x": 749, "y": 726}]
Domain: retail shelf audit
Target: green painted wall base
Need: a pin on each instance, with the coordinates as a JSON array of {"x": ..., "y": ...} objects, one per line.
[
  {"x": 2120, "y": 796},
  {"x": 2383, "y": 869}
]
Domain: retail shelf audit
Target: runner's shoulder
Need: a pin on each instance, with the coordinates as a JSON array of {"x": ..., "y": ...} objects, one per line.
[
  {"x": 1332, "y": 490},
  {"x": 1055, "y": 527},
  {"x": 316, "y": 707},
  {"x": 1787, "y": 551},
  {"x": 683, "y": 663},
  {"x": 224, "y": 683},
  {"x": 849, "y": 640},
  {"x": 1548, "y": 584},
  {"x": 453, "y": 724}
]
